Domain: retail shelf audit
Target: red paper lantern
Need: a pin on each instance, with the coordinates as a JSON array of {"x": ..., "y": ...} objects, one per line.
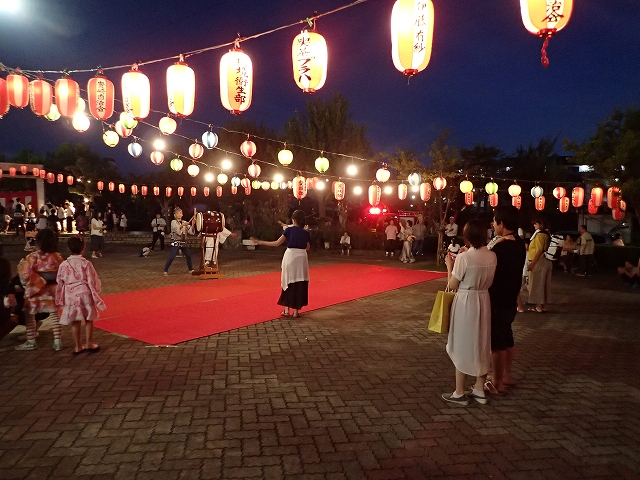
[
  {"x": 168, "y": 192},
  {"x": 493, "y": 200},
  {"x": 592, "y": 208},
  {"x": 4, "y": 98},
  {"x": 559, "y": 192},
  {"x": 402, "y": 191},
  {"x": 613, "y": 194},
  {"x": 121, "y": 130},
  {"x": 121, "y": 188},
  {"x": 35, "y": 172},
  {"x": 539, "y": 202},
  {"x": 156, "y": 191},
  {"x": 144, "y": 190},
  {"x": 40, "y": 96},
  {"x": 577, "y": 197},
  {"x": 134, "y": 189},
  {"x": 17, "y": 89},
  {"x": 136, "y": 93},
  {"x": 12, "y": 171},
  {"x": 51, "y": 177},
  {"x": 339, "y": 189},
  {"x": 100, "y": 185},
  {"x": 196, "y": 150},
  {"x": 60, "y": 178},
  {"x": 248, "y": 148},
  {"x": 425, "y": 191},
  {"x": 67, "y": 94},
  {"x": 206, "y": 191},
  {"x": 564, "y": 204},
  {"x": 23, "y": 169},
  {"x": 101, "y": 96},
  {"x": 157, "y": 157},
  {"x": 194, "y": 191},
  {"x": 617, "y": 214},
  {"x": 180, "y": 191},
  {"x": 112, "y": 186},
  {"x": 254, "y": 170},
  {"x": 70, "y": 180},
  {"x": 375, "y": 192},
  {"x": 516, "y": 201},
  {"x": 299, "y": 187},
  {"x": 468, "y": 198},
  {"x": 245, "y": 182},
  {"x": 596, "y": 195},
  {"x": 234, "y": 189},
  {"x": 311, "y": 183},
  {"x": 218, "y": 191},
  {"x": 439, "y": 183},
  {"x": 43, "y": 173}
]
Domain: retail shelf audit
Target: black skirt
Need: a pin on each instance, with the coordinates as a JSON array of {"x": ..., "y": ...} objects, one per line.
[{"x": 295, "y": 296}]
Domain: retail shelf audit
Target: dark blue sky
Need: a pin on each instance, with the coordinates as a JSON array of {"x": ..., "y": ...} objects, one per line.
[{"x": 484, "y": 82}]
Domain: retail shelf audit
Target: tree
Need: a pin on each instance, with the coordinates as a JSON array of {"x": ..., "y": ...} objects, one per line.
[
  {"x": 535, "y": 162},
  {"x": 481, "y": 160},
  {"x": 611, "y": 153}
]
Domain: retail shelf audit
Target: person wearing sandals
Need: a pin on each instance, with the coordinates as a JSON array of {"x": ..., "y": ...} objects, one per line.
[
  {"x": 295, "y": 265},
  {"x": 78, "y": 293},
  {"x": 38, "y": 272},
  {"x": 539, "y": 266},
  {"x": 469, "y": 340},
  {"x": 510, "y": 253}
]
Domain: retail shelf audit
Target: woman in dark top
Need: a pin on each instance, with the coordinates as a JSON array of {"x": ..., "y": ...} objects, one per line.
[{"x": 295, "y": 265}]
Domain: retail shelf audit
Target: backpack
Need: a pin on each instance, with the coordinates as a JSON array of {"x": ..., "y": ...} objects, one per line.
[{"x": 554, "y": 250}]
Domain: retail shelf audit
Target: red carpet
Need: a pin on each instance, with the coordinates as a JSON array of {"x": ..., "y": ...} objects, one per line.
[{"x": 170, "y": 315}]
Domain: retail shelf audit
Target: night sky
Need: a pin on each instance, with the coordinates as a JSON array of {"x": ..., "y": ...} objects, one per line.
[{"x": 484, "y": 81}]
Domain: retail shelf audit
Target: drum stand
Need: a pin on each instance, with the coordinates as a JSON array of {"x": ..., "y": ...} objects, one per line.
[{"x": 209, "y": 270}]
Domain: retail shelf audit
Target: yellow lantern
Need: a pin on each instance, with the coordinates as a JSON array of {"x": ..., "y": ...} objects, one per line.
[
  {"x": 309, "y": 56},
  {"x": 136, "y": 93},
  {"x": 181, "y": 88},
  {"x": 544, "y": 18},
  {"x": 465, "y": 187},
  {"x": 411, "y": 35},
  {"x": 382, "y": 175},
  {"x": 515, "y": 190},
  {"x": 236, "y": 80}
]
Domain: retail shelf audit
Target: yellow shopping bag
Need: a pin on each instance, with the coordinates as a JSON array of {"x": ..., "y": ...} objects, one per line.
[{"x": 439, "y": 321}]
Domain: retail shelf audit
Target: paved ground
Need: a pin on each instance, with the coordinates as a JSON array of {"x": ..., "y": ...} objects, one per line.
[{"x": 346, "y": 392}]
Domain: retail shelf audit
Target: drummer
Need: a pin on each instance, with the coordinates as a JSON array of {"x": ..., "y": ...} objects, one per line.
[{"x": 179, "y": 231}]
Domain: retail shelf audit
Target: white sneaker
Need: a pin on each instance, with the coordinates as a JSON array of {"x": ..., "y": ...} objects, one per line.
[
  {"x": 27, "y": 346},
  {"x": 386, "y": 254}
]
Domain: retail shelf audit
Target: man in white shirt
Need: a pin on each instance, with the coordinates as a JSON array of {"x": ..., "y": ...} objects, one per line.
[
  {"x": 391, "y": 233},
  {"x": 69, "y": 211},
  {"x": 159, "y": 226},
  {"x": 451, "y": 229}
]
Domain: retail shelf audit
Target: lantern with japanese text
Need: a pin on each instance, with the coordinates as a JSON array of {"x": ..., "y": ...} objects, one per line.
[
  {"x": 299, "y": 187},
  {"x": 537, "y": 191},
  {"x": 414, "y": 179},
  {"x": 468, "y": 198},
  {"x": 51, "y": 177},
  {"x": 617, "y": 214},
  {"x": 196, "y": 150},
  {"x": 254, "y": 170},
  {"x": 156, "y": 191},
  {"x": 134, "y": 189},
  {"x": 12, "y": 171},
  {"x": 382, "y": 175},
  {"x": 101, "y": 96},
  {"x": 515, "y": 190},
  {"x": 425, "y": 191},
  {"x": 222, "y": 178},
  {"x": 375, "y": 192},
  {"x": 545, "y": 18},
  {"x": 144, "y": 190},
  {"x": 309, "y": 57},
  {"x": 112, "y": 186},
  {"x": 564, "y": 204},
  {"x": 265, "y": 185},
  {"x": 411, "y": 35},
  {"x": 209, "y": 140},
  {"x": 592, "y": 208},
  {"x": 218, "y": 191},
  {"x": 491, "y": 187},
  {"x": 181, "y": 88},
  {"x": 4, "y": 98},
  {"x": 439, "y": 183},
  {"x": 559, "y": 192},
  {"x": 167, "y": 125},
  {"x": 245, "y": 182},
  {"x": 157, "y": 157},
  {"x": 134, "y": 149},
  {"x": 493, "y": 199},
  {"x": 40, "y": 96},
  {"x": 613, "y": 194},
  {"x": 100, "y": 185},
  {"x": 236, "y": 80},
  {"x": 577, "y": 197},
  {"x": 17, "y": 89},
  {"x": 322, "y": 163},
  {"x": 136, "y": 93},
  {"x": 35, "y": 172},
  {"x": 122, "y": 130},
  {"x": 23, "y": 169},
  {"x": 539, "y": 203},
  {"x": 339, "y": 189},
  {"x": 248, "y": 148},
  {"x": 402, "y": 191},
  {"x": 194, "y": 191},
  {"x": 67, "y": 94},
  {"x": 110, "y": 138},
  {"x": 465, "y": 187},
  {"x": 168, "y": 191},
  {"x": 285, "y": 157},
  {"x": 180, "y": 191},
  {"x": 193, "y": 170},
  {"x": 60, "y": 178},
  {"x": 70, "y": 180},
  {"x": 176, "y": 164},
  {"x": 596, "y": 195},
  {"x": 121, "y": 188}
]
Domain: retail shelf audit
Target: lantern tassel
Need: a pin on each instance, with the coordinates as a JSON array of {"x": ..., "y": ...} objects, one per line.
[{"x": 544, "y": 59}]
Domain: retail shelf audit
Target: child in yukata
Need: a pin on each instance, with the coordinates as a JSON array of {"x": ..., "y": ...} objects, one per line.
[{"x": 78, "y": 293}]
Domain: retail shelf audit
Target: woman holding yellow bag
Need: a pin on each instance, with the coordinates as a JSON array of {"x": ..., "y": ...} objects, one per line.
[{"x": 469, "y": 341}]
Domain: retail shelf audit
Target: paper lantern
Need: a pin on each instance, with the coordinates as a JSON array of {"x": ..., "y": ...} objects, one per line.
[
  {"x": 112, "y": 186},
  {"x": 23, "y": 169},
  {"x": 82, "y": 105},
  {"x": 194, "y": 191},
  {"x": 559, "y": 192},
  {"x": 81, "y": 122},
  {"x": 53, "y": 114},
  {"x": 254, "y": 170},
  {"x": 322, "y": 164},
  {"x": 122, "y": 130},
  {"x": 613, "y": 194},
  {"x": 592, "y": 208},
  {"x": 577, "y": 197},
  {"x": 491, "y": 188},
  {"x": 545, "y": 18},
  {"x": 43, "y": 173},
  {"x": 247, "y": 191},
  {"x": 180, "y": 191},
  {"x": 311, "y": 183},
  {"x": 564, "y": 204},
  {"x": 144, "y": 190},
  {"x": 382, "y": 175},
  {"x": 439, "y": 183},
  {"x": 493, "y": 199},
  {"x": 196, "y": 150},
  {"x": 40, "y": 96},
  {"x": 309, "y": 57},
  {"x": 275, "y": 185},
  {"x": 100, "y": 185},
  {"x": 256, "y": 184},
  {"x": 222, "y": 178},
  {"x": 156, "y": 191},
  {"x": 515, "y": 190},
  {"x": 285, "y": 157},
  {"x": 425, "y": 191},
  {"x": 134, "y": 189},
  {"x": 136, "y": 93},
  {"x": 181, "y": 88},
  {"x": 218, "y": 191},
  {"x": 339, "y": 189},
  {"x": 596, "y": 195},
  {"x": 299, "y": 187},
  {"x": 617, "y": 214},
  {"x": 245, "y": 182},
  {"x": 67, "y": 94},
  {"x": 248, "y": 148},
  {"x": 414, "y": 179},
  {"x": 168, "y": 192},
  {"x": 101, "y": 97},
  {"x": 209, "y": 140},
  {"x": 234, "y": 189},
  {"x": 193, "y": 170},
  {"x": 176, "y": 164},
  {"x": 60, "y": 178},
  {"x": 516, "y": 201},
  {"x": 70, "y": 180},
  {"x": 465, "y": 187},
  {"x": 35, "y": 172},
  {"x": 402, "y": 191},
  {"x": 111, "y": 138},
  {"x": 12, "y": 171},
  {"x": 236, "y": 80},
  {"x": 157, "y": 157},
  {"x": 4, "y": 98},
  {"x": 468, "y": 198},
  {"x": 375, "y": 193},
  {"x": 17, "y": 89},
  {"x": 265, "y": 185},
  {"x": 622, "y": 205},
  {"x": 51, "y": 177},
  {"x": 121, "y": 188},
  {"x": 411, "y": 35},
  {"x": 128, "y": 121},
  {"x": 235, "y": 181},
  {"x": 167, "y": 125},
  {"x": 537, "y": 192},
  {"x": 134, "y": 149}
]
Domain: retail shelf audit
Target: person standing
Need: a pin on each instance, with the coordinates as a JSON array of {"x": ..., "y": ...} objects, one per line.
[
  {"x": 391, "y": 233},
  {"x": 419, "y": 231},
  {"x": 61, "y": 216},
  {"x": 42, "y": 221},
  {"x": 18, "y": 216},
  {"x": 123, "y": 222},
  {"x": 451, "y": 229},
  {"x": 469, "y": 341},
  {"x": 97, "y": 235},
  {"x": 587, "y": 247},
  {"x": 108, "y": 217},
  {"x": 406, "y": 236},
  {"x": 179, "y": 231},
  {"x": 158, "y": 225},
  {"x": 69, "y": 212},
  {"x": 295, "y": 265},
  {"x": 539, "y": 266}
]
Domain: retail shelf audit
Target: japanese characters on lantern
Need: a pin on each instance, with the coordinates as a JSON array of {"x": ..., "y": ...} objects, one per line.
[
  {"x": 136, "y": 93},
  {"x": 236, "y": 80},
  {"x": 577, "y": 197},
  {"x": 468, "y": 198},
  {"x": 309, "y": 56},
  {"x": 299, "y": 187},
  {"x": 101, "y": 96},
  {"x": 564, "y": 204},
  {"x": 411, "y": 35}
]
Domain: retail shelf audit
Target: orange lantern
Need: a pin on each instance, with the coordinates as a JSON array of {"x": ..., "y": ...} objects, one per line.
[
  {"x": 254, "y": 170},
  {"x": 194, "y": 191},
  {"x": 516, "y": 201},
  {"x": 564, "y": 204},
  {"x": 51, "y": 177},
  {"x": 617, "y": 214},
  {"x": 70, "y": 180},
  {"x": 121, "y": 188},
  {"x": 35, "y": 172},
  {"x": 17, "y": 89},
  {"x": 299, "y": 187},
  {"x": 23, "y": 169},
  {"x": 144, "y": 190},
  {"x": 100, "y": 185},
  {"x": 539, "y": 201},
  {"x": 613, "y": 194},
  {"x": 596, "y": 195},
  {"x": 493, "y": 200},
  {"x": 136, "y": 93},
  {"x": 545, "y": 18},
  {"x": 309, "y": 56},
  {"x": 577, "y": 197},
  {"x": 236, "y": 80},
  {"x": 468, "y": 198},
  {"x": 439, "y": 183},
  {"x": 101, "y": 96},
  {"x": 425, "y": 191},
  {"x": 43, "y": 173},
  {"x": 339, "y": 189},
  {"x": 515, "y": 190},
  {"x": 206, "y": 191},
  {"x": 156, "y": 191},
  {"x": 592, "y": 208},
  {"x": 40, "y": 96},
  {"x": 168, "y": 192},
  {"x": 67, "y": 95},
  {"x": 411, "y": 35},
  {"x": 180, "y": 191},
  {"x": 402, "y": 191},
  {"x": 559, "y": 192},
  {"x": 12, "y": 171},
  {"x": 181, "y": 88},
  {"x": 134, "y": 189},
  {"x": 4, "y": 98},
  {"x": 375, "y": 193},
  {"x": 112, "y": 186},
  {"x": 60, "y": 178}
]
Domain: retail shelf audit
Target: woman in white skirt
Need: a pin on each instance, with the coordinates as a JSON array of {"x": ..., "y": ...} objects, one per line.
[{"x": 469, "y": 341}]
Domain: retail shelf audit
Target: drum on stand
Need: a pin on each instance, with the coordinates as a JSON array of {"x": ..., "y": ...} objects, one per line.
[{"x": 209, "y": 224}]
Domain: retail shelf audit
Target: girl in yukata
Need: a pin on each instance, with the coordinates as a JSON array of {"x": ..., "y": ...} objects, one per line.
[
  {"x": 37, "y": 272},
  {"x": 78, "y": 293}
]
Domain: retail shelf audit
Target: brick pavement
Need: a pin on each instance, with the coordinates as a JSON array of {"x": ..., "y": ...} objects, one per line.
[{"x": 346, "y": 392}]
